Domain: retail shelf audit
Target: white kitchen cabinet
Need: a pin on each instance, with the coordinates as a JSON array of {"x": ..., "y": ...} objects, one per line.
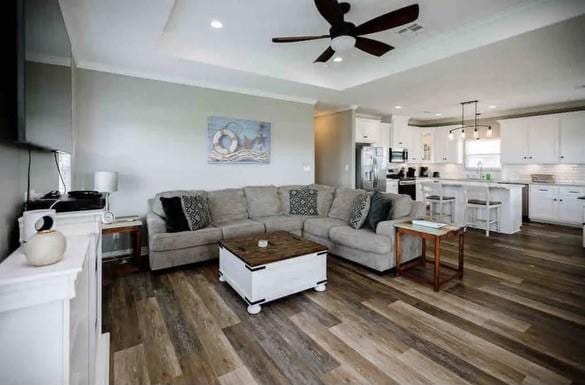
[
  {"x": 546, "y": 139},
  {"x": 368, "y": 131},
  {"x": 414, "y": 144},
  {"x": 392, "y": 186},
  {"x": 556, "y": 204},
  {"x": 446, "y": 150},
  {"x": 572, "y": 137},
  {"x": 543, "y": 139},
  {"x": 514, "y": 144}
]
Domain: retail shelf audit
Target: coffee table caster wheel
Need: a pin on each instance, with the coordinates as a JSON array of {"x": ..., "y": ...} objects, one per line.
[
  {"x": 320, "y": 287},
  {"x": 221, "y": 278},
  {"x": 254, "y": 309}
]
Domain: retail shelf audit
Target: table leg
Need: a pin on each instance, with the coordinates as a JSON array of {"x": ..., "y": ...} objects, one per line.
[
  {"x": 461, "y": 247},
  {"x": 137, "y": 249},
  {"x": 397, "y": 252},
  {"x": 437, "y": 263},
  {"x": 424, "y": 252}
]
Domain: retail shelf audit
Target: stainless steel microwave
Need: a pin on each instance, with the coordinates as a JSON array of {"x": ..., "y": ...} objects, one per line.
[{"x": 397, "y": 155}]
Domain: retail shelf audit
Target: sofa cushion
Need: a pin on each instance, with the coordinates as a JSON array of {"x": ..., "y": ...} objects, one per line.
[
  {"x": 380, "y": 206},
  {"x": 324, "y": 198},
  {"x": 401, "y": 205},
  {"x": 262, "y": 201},
  {"x": 196, "y": 211},
  {"x": 184, "y": 239},
  {"x": 343, "y": 203},
  {"x": 359, "y": 210},
  {"x": 321, "y": 226},
  {"x": 303, "y": 201},
  {"x": 284, "y": 196},
  {"x": 175, "y": 217},
  {"x": 240, "y": 228},
  {"x": 157, "y": 206},
  {"x": 227, "y": 205},
  {"x": 282, "y": 222},
  {"x": 361, "y": 239}
]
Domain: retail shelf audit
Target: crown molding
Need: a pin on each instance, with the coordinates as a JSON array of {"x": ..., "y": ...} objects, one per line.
[{"x": 94, "y": 66}]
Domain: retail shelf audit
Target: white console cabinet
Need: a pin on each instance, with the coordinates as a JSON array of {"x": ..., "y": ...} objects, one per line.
[{"x": 50, "y": 316}]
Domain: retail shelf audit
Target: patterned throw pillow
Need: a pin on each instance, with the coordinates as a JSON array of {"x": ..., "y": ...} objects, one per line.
[
  {"x": 359, "y": 211},
  {"x": 303, "y": 202},
  {"x": 196, "y": 211}
]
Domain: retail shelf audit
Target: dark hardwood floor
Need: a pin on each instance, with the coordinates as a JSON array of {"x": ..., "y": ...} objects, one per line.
[{"x": 517, "y": 317}]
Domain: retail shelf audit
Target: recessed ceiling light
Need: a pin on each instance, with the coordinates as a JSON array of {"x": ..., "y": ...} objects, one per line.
[
  {"x": 338, "y": 59},
  {"x": 398, "y": 107},
  {"x": 216, "y": 24},
  {"x": 438, "y": 114},
  {"x": 492, "y": 107}
]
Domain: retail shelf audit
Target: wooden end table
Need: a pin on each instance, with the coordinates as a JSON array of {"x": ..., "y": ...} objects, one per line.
[
  {"x": 436, "y": 236},
  {"x": 134, "y": 228}
]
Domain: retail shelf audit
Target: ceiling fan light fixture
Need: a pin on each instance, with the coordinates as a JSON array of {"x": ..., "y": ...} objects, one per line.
[{"x": 342, "y": 43}]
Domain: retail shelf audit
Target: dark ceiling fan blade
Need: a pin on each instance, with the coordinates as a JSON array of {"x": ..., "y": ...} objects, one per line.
[
  {"x": 330, "y": 10},
  {"x": 373, "y": 47},
  {"x": 293, "y": 39},
  {"x": 389, "y": 20},
  {"x": 326, "y": 55}
]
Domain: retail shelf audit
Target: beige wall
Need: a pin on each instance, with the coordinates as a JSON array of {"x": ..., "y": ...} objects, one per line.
[
  {"x": 155, "y": 135},
  {"x": 335, "y": 148}
]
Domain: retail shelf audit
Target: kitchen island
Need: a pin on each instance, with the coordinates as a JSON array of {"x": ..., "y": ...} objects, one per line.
[{"x": 508, "y": 193}]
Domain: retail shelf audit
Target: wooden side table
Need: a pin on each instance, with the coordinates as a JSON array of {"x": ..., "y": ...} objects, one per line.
[
  {"x": 134, "y": 228},
  {"x": 436, "y": 236}
]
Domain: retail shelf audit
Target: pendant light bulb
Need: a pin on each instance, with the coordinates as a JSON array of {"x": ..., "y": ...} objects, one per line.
[
  {"x": 463, "y": 133},
  {"x": 450, "y": 135},
  {"x": 476, "y": 133},
  {"x": 489, "y": 132}
]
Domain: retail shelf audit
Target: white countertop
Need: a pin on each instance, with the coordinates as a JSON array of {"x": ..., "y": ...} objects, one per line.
[{"x": 468, "y": 182}]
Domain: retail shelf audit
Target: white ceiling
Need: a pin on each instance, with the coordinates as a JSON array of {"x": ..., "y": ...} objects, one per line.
[{"x": 497, "y": 51}]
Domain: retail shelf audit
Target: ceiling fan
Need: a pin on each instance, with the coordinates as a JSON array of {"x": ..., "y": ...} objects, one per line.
[{"x": 345, "y": 35}]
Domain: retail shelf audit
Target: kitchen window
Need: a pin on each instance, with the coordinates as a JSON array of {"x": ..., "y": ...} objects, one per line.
[{"x": 484, "y": 152}]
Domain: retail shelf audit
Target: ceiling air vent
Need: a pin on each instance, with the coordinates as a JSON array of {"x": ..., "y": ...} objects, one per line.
[{"x": 413, "y": 28}]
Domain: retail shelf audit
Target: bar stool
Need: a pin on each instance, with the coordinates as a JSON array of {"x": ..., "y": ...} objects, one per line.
[
  {"x": 477, "y": 201},
  {"x": 433, "y": 196}
]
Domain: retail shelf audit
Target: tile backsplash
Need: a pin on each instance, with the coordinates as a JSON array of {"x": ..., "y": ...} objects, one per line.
[{"x": 563, "y": 173}]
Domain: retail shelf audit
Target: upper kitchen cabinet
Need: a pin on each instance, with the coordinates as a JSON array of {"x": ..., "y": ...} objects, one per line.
[
  {"x": 447, "y": 150},
  {"x": 572, "y": 137},
  {"x": 545, "y": 139},
  {"x": 368, "y": 131}
]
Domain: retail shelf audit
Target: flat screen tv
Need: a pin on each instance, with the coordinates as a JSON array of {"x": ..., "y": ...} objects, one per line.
[{"x": 35, "y": 88}]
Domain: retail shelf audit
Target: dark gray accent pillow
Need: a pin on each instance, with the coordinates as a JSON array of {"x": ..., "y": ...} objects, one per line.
[
  {"x": 174, "y": 213},
  {"x": 359, "y": 211},
  {"x": 380, "y": 206},
  {"x": 196, "y": 211},
  {"x": 303, "y": 201}
]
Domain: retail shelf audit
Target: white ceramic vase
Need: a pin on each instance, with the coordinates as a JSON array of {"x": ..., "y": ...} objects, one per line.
[{"x": 45, "y": 247}]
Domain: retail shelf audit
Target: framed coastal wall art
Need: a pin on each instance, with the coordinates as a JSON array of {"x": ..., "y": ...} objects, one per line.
[{"x": 232, "y": 140}]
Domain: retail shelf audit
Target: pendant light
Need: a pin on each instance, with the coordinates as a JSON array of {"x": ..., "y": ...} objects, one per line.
[{"x": 489, "y": 132}]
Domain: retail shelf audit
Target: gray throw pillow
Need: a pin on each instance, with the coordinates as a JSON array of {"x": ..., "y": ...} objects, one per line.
[
  {"x": 303, "y": 201},
  {"x": 196, "y": 210},
  {"x": 359, "y": 211}
]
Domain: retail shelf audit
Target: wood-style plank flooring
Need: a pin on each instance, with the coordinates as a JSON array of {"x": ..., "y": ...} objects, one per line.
[{"x": 517, "y": 317}]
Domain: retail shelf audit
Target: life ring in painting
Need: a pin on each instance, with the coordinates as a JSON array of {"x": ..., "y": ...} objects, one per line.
[{"x": 218, "y": 141}]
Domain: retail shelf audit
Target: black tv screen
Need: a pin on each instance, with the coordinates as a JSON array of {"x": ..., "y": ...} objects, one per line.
[{"x": 36, "y": 89}]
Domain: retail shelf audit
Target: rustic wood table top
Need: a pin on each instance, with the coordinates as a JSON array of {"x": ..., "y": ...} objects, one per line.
[{"x": 281, "y": 245}]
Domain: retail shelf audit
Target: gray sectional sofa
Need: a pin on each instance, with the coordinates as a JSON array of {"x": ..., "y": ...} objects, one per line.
[{"x": 259, "y": 209}]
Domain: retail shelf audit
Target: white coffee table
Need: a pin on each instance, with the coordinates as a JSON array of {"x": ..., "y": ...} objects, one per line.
[{"x": 288, "y": 265}]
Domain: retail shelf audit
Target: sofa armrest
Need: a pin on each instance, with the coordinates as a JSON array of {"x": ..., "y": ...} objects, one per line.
[
  {"x": 155, "y": 224},
  {"x": 386, "y": 228},
  {"x": 417, "y": 211}
]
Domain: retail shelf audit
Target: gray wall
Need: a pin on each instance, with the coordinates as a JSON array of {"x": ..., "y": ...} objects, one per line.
[
  {"x": 13, "y": 176},
  {"x": 335, "y": 148},
  {"x": 155, "y": 135}
]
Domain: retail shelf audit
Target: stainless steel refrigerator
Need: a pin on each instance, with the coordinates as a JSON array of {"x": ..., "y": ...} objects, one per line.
[{"x": 370, "y": 168}]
